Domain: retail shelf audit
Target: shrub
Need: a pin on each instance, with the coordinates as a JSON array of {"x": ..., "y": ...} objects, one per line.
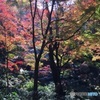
[{"x": 29, "y": 86}]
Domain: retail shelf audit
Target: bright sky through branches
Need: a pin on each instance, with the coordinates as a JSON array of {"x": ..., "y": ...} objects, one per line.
[{"x": 40, "y": 3}]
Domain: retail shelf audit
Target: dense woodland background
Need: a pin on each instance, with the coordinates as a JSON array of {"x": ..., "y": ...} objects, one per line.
[{"x": 49, "y": 48}]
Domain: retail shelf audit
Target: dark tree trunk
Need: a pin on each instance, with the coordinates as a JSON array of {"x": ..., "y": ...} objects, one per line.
[
  {"x": 35, "y": 92},
  {"x": 55, "y": 72}
]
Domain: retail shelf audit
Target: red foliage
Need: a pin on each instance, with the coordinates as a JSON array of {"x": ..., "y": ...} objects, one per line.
[
  {"x": 11, "y": 66},
  {"x": 19, "y": 63}
]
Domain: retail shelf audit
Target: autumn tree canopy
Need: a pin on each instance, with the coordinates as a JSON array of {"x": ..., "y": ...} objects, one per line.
[{"x": 65, "y": 30}]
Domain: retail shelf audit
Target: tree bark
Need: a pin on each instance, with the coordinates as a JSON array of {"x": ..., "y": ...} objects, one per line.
[
  {"x": 55, "y": 72},
  {"x": 35, "y": 92}
]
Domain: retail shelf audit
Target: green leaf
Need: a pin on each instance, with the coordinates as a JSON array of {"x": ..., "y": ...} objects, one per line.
[{"x": 89, "y": 10}]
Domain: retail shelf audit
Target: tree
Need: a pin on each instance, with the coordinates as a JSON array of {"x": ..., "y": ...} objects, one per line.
[
  {"x": 51, "y": 25},
  {"x": 66, "y": 28},
  {"x": 9, "y": 34},
  {"x": 44, "y": 33},
  {"x": 67, "y": 25}
]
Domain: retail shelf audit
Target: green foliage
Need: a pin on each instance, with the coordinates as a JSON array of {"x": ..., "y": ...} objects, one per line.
[
  {"x": 89, "y": 10},
  {"x": 72, "y": 46},
  {"x": 65, "y": 73},
  {"x": 11, "y": 56},
  {"x": 88, "y": 36},
  {"x": 87, "y": 56},
  {"x": 47, "y": 92},
  {"x": 97, "y": 12},
  {"x": 12, "y": 96},
  {"x": 29, "y": 86},
  {"x": 98, "y": 64},
  {"x": 21, "y": 77},
  {"x": 17, "y": 50}
]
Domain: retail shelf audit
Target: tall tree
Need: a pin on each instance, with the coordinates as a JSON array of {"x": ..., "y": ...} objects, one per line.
[
  {"x": 67, "y": 25},
  {"x": 44, "y": 33}
]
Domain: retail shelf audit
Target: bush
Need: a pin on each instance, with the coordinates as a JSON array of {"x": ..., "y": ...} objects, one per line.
[
  {"x": 47, "y": 92},
  {"x": 11, "y": 96},
  {"x": 29, "y": 86}
]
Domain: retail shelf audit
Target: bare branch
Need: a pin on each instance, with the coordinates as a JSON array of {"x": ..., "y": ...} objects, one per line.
[
  {"x": 74, "y": 32},
  {"x": 33, "y": 26}
]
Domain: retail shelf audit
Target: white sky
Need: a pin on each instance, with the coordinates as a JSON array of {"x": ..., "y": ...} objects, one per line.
[{"x": 40, "y": 3}]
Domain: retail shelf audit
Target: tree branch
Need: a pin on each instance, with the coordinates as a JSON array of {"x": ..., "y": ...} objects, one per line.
[
  {"x": 74, "y": 32},
  {"x": 33, "y": 26}
]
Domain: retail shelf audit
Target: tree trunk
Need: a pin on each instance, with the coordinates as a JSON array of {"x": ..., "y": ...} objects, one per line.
[
  {"x": 55, "y": 72},
  {"x": 35, "y": 92}
]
